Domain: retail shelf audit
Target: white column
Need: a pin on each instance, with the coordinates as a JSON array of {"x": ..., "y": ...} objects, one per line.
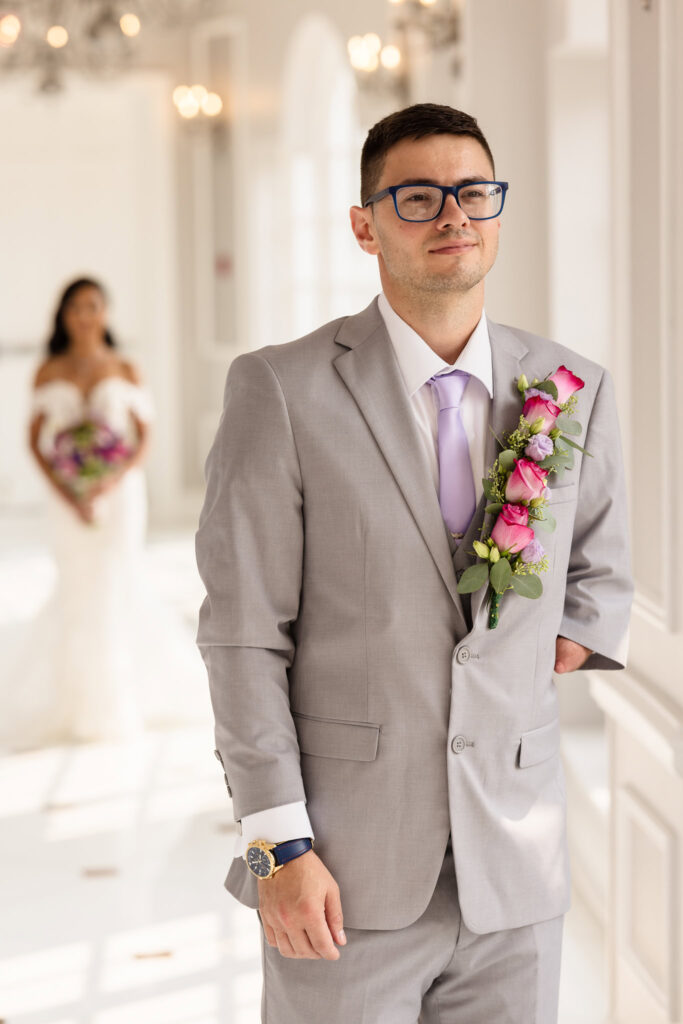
[{"x": 644, "y": 705}]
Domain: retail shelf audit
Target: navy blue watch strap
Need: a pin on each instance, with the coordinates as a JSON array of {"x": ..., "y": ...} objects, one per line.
[{"x": 284, "y": 852}]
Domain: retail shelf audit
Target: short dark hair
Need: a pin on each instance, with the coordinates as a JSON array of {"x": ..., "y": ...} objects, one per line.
[
  {"x": 413, "y": 122},
  {"x": 59, "y": 338}
]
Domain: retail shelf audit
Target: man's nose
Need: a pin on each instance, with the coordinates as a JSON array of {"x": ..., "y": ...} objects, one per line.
[{"x": 451, "y": 213}]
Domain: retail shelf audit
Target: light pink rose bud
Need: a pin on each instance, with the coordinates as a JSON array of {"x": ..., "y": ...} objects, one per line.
[
  {"x": 566, "y": 383},
  {"x": 526, "y": 481},
  {"x": 545, "y": 407},
  {"x": 510, "y": 532}
]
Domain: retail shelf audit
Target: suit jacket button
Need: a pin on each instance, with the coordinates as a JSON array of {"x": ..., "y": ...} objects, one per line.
[
  {"x": 458, "y": 744},
  {"x": 463, "y": 655}
]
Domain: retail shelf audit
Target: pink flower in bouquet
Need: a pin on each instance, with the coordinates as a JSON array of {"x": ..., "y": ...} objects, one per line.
[
  {"x": 526, "y": 481},
  {"x": 566, "y": 383},
  {"x": 65, "y": 467},
  {"x": 510, "y": 531},
  {"x": 545, "y": 407},
  {"x": 64, "y": 444},
  {"x": 116, "y": 452}
]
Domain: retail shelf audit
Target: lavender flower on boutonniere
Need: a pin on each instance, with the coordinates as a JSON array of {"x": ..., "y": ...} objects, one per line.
[{"x": 511, "y": 557}]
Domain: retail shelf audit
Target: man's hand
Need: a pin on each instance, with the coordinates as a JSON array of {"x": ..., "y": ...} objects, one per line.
[
  {"x": 569, "y": 655},
  {"x": 301, "y": 911}
]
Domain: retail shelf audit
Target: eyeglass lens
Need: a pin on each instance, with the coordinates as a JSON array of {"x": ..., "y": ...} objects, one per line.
[{"x": 421, "y": 202}]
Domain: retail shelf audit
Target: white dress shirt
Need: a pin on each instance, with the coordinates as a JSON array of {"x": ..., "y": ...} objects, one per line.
[{"x": 417, "y": 363}]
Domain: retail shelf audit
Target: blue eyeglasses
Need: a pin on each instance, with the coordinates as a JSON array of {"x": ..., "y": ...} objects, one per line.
[{"x": 480, "y": 200}]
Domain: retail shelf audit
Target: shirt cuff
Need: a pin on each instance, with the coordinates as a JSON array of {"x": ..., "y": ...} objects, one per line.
[{"x": 275, "y": 825}]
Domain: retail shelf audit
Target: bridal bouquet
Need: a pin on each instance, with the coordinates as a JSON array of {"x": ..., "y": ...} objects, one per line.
[
  {"x": 86, "y": 453},
  {"x": 516, "y": 488}
]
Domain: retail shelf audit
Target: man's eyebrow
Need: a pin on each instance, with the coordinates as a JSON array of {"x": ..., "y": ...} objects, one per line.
[{"x": 431, "y": 181}]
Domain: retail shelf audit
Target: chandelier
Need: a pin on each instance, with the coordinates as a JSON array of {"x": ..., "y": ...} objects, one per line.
[
  {"x": 437, "y": 24},
  {"x": 51, "y": 36}
]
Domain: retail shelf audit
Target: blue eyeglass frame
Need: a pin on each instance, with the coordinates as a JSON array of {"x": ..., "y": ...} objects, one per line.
[{"x": 445, "y": 190}]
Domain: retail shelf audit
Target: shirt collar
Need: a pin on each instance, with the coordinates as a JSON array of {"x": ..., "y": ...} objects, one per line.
[{"x": 418, "y": 362}]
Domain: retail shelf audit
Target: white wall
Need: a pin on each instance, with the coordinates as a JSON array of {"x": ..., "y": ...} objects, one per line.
[{"x": 505, "y": 89}]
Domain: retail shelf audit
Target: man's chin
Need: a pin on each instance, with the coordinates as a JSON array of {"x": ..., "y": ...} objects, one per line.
[{"x": 443, "y": 284}]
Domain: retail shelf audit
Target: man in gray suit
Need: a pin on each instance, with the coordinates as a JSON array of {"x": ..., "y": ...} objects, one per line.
[{"x": 361, "y": 701}]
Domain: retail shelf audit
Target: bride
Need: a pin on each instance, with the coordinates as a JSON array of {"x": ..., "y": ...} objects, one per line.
[{"x": 104, "y": 658}]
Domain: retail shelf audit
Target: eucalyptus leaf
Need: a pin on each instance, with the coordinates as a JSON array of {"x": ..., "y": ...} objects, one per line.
[
  {"x": 488, "y": 488},
  {"x": 500, "y": 575},
  {"x": 548, "y": 386},
  {"x": 473, "y": 578},
  {"x": 577, "y": 446},
  {"x": 506, "y": 459},
  {"x": 527, "y": 586},
  {"x": 567, "y": 425},
  {"x": 558, "y": 459},
  {"x": 566, "y": 453},
  {"x": 495, "y": 508},
  {"x": 548, "y": 523}
]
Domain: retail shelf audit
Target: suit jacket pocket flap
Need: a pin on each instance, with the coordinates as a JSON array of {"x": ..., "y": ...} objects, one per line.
[
  {"x": 539, "y": 744},
  {"x": 562, "y": 492},
  {"x": 327, "y": 737}
]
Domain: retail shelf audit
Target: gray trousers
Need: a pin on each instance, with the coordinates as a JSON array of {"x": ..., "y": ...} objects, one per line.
[{"x": 434, "y": 971}]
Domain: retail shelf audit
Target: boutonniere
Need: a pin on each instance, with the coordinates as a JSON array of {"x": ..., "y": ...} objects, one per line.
[{"x": 511, "y": 557}]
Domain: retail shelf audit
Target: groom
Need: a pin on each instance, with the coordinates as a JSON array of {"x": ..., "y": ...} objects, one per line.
[{"x": 362, "y": 704}]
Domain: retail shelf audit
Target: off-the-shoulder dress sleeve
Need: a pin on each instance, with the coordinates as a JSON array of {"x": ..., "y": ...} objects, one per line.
[
  {"x": 42, "y": 400},
  {"x": 141, "y": 403}
]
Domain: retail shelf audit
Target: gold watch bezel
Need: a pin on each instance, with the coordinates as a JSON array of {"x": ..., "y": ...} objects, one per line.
[{"x": 266, "y": 847}]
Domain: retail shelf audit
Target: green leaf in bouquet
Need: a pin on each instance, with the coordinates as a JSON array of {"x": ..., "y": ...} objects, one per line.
[
  {"x": 473, "y": 578},
  {"x": 566, "y": 453},
  {"x": 549, "y": 387},
  {"x": 575, "y": 445},
  {"x": 568, "y": 425},
  {"x": 548, "y": 523},
  {"x": 488, "y": 488},
  {"x": 501, "y": 574},
  {"x": 558, "y": 459},
  {"x": 494, "y": 508},
  {"x": 506, "y": 460},
  {"x": 527, "y": 585}
]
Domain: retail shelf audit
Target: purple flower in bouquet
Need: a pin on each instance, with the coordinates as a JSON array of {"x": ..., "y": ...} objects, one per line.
[
  {"x": 539, "y": 446},
  {"x": 533, "y": 552},
  {"x": 87, "y": 452}
]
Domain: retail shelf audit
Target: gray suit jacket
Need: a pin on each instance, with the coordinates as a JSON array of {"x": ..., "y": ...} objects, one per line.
[{"x": 344, "y": 665}]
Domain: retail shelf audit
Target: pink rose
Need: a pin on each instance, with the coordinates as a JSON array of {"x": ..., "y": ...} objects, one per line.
[
  {"x": 526, "y": 481},
  {"x": 545, "y": 407},
  {"x": 566, "y": 383},
  {"x": 510, "y": 531}
]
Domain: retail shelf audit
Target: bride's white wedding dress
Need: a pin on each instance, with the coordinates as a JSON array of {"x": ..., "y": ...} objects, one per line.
[{"x": 104, "y": 657}]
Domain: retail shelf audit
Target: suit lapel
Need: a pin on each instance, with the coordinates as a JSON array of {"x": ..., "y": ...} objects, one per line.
[{"x": 370, "y": 370}]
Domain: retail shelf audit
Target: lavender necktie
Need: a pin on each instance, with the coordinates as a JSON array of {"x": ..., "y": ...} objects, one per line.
[{"x": 456, "y": 482}]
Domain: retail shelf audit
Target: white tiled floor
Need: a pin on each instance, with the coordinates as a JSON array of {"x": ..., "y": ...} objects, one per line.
[
  {"x": 111, "y": 888},
  {"x": 112, "y": 903}
]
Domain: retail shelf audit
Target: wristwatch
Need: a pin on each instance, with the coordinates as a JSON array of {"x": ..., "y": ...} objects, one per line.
[{"x": 264, "y": 859}]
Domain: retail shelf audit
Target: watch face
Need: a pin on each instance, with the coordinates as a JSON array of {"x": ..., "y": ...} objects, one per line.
[{"x": 259, "y": 862}]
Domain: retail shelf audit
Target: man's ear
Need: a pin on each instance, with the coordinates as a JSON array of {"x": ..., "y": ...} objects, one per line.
[{"x": 363, "y": 227}]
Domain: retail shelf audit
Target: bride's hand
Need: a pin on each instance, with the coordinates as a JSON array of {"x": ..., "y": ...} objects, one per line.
[
  {"x": 84, "y": 509},
  {"x": 104, "y": 485}
]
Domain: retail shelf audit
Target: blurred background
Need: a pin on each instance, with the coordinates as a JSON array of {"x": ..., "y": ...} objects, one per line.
[{"x": 199, "y": 158}]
